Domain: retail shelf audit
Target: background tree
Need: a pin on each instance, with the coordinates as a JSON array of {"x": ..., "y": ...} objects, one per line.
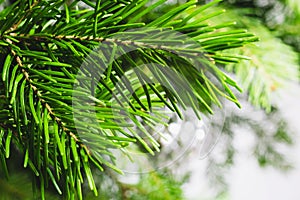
[{"x": 274, "y": 65}]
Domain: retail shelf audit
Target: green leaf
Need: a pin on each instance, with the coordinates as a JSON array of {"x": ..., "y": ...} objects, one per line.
[
  {"x": 7, "y": 143},
  {"x": 6, "y": 66},
  {"x": 31, "y": 105}
]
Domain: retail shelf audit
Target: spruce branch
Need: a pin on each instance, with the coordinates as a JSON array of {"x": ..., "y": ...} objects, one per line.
[
  {"x": 39, "y": 96},
  {"x": 106, "y": 99}
]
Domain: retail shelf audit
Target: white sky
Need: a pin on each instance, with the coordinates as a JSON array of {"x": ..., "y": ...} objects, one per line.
[{"x": 247, "y": 181}]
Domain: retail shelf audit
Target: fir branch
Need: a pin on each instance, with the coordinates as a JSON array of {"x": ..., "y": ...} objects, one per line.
[
  {"x": 44, "y": 103},
  {"x": 16, "y": 25},
  {"x": 133, "y": 43},
  {"x": 46, "y": 42}
]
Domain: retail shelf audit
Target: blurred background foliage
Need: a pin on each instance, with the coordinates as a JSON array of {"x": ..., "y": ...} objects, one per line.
[
  {"x": 274, "y": 61},
  {"x": 273, "y": 66}
]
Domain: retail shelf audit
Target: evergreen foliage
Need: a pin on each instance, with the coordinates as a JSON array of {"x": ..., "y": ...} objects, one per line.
[{"x": 50, "y": 104}]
